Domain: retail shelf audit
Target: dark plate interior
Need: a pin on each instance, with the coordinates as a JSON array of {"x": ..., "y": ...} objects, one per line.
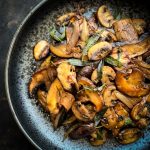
[{"x": 21, "y": 65}]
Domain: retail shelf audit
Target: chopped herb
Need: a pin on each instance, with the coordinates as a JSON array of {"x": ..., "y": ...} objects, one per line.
[
  {"x": 95, "y": 89},
  {"x": 80, "y": 63},
  {"x": 57, "y": 35},
  {"x": 99, "y": 69},
  {"x": 129, "y": 121},
  {"x": 112, "y": 61}
]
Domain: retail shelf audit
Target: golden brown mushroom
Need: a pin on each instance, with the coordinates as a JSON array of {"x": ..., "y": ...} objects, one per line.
[
  {"x": 67, "y": 75},
  {"x": 41, "y": 49},
  {"x": 132, "y": 84},
  {"x": 129, "y": 135},
  {"x": 99, "y": 51},
  {"x": 44, "y": 76},
  {"x": 105, "y": 17},
  {"x": 125, "y": 30},
  {"x": 109, "y": 96},
  {"x": 108, "y": 75}
]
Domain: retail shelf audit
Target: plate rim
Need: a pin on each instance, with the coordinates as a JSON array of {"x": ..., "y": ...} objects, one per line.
[{"x": 10, "y": 49}]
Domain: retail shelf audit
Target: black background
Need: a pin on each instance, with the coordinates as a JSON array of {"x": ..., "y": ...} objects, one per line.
[{"x": 12, "y": 13}]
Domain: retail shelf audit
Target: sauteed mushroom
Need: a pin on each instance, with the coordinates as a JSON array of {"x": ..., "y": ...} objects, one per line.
[
  {"x": 132, "y": 84},
  {"x": 105, "y": 17},
  {"x": 129, "y": 135},
  {"x": 95, "y": 79},
  {"x": 41, "y": 49},
  {"x": 99, "y": 51}
]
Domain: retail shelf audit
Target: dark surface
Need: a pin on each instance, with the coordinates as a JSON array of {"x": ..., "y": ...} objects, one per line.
[{"x": 12, "y": 12}]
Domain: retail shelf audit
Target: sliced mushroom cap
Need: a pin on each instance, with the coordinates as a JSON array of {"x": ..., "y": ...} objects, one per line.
[
  {"x": 139, "y": 25},
  {"x": 105, "y": 17},
  {"x": 129, "y": 135},
  {"x": 132, "y": 84},
  {"x": 94, "y": 76},
  {"x": 74, "y": 37},
  {"x": 108, "y": 36},
  {"x": 86, "y": 71},
  {"x": 42, "y": 98},
  {"x": 109, "y": 96},
  {"x": 99, "y": 51},
  {"x": 67, "y": 75},
  {"x": 85, "y": 82},
  {"x": 85, "y": 31},
  {"x": 139, "y": 111},
  {"x": 41, "y": 50},
  {"x": 44, "y": 76},
  {"x": 143, "y": 123},
  {"x": 61, "y": 51},
  {"x": 45, "y": 64},
  {"x": 108, "y": 75},
  {"x": 53, "y": 96},
  {"x": 83, "y": 112},
  {"x": 66, "y": 100},
  {"x": 64, "y": 19},
  {"x": 98, "y": 137},
  {"x": 82, "y": 131},
  {"x": 110, "y": 119},
  {"x": 125, "y": 30},
  {"x": 137, "y": 49}
]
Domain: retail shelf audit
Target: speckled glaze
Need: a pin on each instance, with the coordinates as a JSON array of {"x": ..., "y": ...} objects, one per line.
[{"x": 32, "y": 119}]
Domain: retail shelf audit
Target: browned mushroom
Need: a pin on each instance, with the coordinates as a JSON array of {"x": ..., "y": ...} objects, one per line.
[
  {"x": 45, "y": 76},
  {"x": 132, "y": 83},
  {"x": 82, "y": 131},
  {"x": 67, "y": 75},
  {"x": 129, "y": 135},
  {"x": 125, "y": 30},
  {"x": 105, "y": 17},
  {"x": 41, "y": 50},
  {"x": 99, "y": 51}
]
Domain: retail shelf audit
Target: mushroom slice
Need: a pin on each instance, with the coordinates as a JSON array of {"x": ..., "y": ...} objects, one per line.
[
  {"x": 125, "y": 30},
  {"x": 61, "y": 51},
  {"x": 83, "y": 112},
  {"x": 139, "y": 111},
  {"x": 67, "y": 100},
  {"x": 67, "y": 75},
  {"x": 99, "y": 51},
  {"x": 110, "y": 119},
  {"x": 143, "y": 123},
  {"x": 129, "y": 135},
  {"x": 96, "y": 99},
  {"x": 54, "y": 96},
  {"x": 108, "y": 36},
  {"x": 105, "y": 17},
  {"x": 42, "y": 98},
  {"x": 86, "y": 71},
  {"x": 94, "y": 76},
  {"x": 109, "y": 96},
  {"x": 99, "y": 137},
  {"x": 137, "y": 49},
  {"x": 82, "y": 131},
  {"x": 74, "y": 37},
  {"x": 139, "y": 25},
  {"x": 132, "y": 83},
  {"x": 64, "y": 19},
  {"x": 45, "y": 64},
  {"x": 41, "y": 49},
  {"x": 85, "y": 31},
  {"x": 45, "y": 76},
  {"x": 108, "y": 75},
  {"x": 85, "y": 82}
]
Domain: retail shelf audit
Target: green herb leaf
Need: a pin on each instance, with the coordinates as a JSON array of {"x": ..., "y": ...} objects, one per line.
[
  {"x": 57, "y": 35},
  {"x": 129, "y": 121},
  {"x": 94, "y": 89},
  {"x": 112, "y": 61},
  {"x": 80, "y": 63},
  {"x": 99, "y": 69}
]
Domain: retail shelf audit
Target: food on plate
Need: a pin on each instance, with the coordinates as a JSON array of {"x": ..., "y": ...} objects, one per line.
[{"x": 90, "y": 84}]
